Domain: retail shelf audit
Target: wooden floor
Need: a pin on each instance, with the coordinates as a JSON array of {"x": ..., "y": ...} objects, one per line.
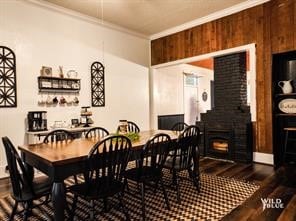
[{"x": 280, "y": 184}]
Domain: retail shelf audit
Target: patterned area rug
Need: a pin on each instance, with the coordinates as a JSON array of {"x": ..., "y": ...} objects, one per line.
[{"x": 218, "y": 197}]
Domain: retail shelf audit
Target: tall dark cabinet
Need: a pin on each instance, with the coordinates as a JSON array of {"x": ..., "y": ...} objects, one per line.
[{"x": 284, "y": 106}]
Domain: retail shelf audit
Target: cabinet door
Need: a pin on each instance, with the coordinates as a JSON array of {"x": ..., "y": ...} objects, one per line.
[{"x": 282, "y": 25}]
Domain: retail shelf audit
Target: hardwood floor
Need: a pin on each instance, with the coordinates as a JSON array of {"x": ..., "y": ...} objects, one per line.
[
  {"x": 280, "y": 184},
  {"x": 255, "y": 172}
]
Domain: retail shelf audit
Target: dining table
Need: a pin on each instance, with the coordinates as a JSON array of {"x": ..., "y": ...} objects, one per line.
[{"x": 60, "y": 160}]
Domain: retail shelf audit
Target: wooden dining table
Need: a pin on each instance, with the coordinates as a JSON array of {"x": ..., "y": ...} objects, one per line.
[{"x": 63, "y": 159}]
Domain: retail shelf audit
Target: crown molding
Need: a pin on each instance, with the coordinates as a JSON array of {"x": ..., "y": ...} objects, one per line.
[
  {"x": 216, "y": 15},
  {"x": 90, "y": 19}
]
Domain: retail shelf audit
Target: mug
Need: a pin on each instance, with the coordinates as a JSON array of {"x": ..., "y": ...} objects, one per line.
[
  {"x": 48, "y": 100},
  {"x": 55, "y": 100},
  {"x": 69, "y": 100},
  {"x": 63, "y": 100},
  {"x": 75, "y": 100},
  {"x": 42, "y": 101}
]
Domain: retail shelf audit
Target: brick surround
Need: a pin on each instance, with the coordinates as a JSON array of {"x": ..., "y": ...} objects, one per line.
[{"x": 230, "y": 112}]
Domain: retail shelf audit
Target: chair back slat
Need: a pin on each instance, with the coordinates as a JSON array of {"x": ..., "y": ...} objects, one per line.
[
  {"x": 59, "y": 135},
  {"x": 97, "y": 132},
  {"x": 186, "y": 147},
  {"x": 155, "y": 151},
  {"x": 109, "y": 158},
  {"x": 18, "y": 174}
]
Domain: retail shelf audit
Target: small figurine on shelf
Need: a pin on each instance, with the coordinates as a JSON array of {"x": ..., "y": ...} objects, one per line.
[
  {"x": 85, "y": 116},
  {"x": 61, "y": 74}
]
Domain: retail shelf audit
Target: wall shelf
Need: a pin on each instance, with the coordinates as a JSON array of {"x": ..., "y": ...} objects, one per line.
[
  {"x": 285, "y": 95},
  {"x": 55, "y": 84},
  {"x": 286, "y": 115}
]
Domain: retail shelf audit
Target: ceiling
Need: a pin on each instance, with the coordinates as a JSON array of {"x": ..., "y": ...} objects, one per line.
[{"x": 147, "y": 17}]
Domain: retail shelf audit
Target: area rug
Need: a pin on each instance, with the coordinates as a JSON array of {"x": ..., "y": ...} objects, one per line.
[{"x": 218, "y": 197}]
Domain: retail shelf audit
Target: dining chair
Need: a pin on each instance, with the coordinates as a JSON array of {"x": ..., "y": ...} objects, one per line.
[
  {"x": 97, "y": 132},
  {"x": 132, "y": 127},
  {"x": 179, "y": 126},
  {"x": 107, "y": 160},
  {"x": 184, "y": 151},
  {"x": 148, "y": 171},
  {"x": 24, "y": 189},
  {"x": 58, "y": 135}
]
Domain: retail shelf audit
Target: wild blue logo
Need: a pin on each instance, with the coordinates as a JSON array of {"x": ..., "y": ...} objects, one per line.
[{"x": 269, "y": 203}]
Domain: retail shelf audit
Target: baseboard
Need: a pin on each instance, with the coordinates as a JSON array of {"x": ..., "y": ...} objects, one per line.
[{"x": 265, "y": 158}]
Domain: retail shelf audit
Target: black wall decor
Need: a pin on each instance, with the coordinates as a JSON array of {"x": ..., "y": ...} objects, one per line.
[
  {"x": 97, "y": 84},
  {"x": 7, "y": 78}
]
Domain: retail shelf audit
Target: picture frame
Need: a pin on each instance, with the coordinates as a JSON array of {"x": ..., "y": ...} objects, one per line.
[{"x": 46, "y": 71}]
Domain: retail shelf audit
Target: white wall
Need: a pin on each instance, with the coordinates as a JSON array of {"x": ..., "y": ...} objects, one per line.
[
  {"x": 40, "y": 36},
  {"x": 167, "y": 92}
]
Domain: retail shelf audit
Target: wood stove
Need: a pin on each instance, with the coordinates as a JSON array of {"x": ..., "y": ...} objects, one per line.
[{"x": 220, "y": 143}]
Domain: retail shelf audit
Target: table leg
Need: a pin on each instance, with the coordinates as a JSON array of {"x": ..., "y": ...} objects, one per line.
[
  {"x": 58, "y": 200},
  {"x": 29, "y": 168}
]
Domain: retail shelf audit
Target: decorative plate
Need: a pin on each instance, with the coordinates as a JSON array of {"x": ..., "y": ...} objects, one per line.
[{"x": 288, "y": 106}]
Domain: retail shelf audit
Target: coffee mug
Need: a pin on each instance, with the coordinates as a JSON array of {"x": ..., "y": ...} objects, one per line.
[
  {"x": 49, "y": 100},
  {"x": 42, "y": 101},
  {"x": 63, "y": 100},
  {"x": 55, "y": 100},
  {"x": 75, "y": 100},
  {"x": 69, "y": 100}
]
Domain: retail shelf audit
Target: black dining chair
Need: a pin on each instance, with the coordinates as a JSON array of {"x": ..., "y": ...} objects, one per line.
[
  {"x": 107, "y": 161},
  {"x": 97, "y": 132},
  {"x": 58, "y": 135},
  {"x": 132, "y": 127},
  {"x": 185, "y": 152},
  {"x": 24, "y": 189},
  {"x": 179, "y": 126},
  {"x": 148, "y": 171}
]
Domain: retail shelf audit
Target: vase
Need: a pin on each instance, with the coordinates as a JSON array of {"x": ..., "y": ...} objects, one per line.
[{"x": 286, "y": 86}]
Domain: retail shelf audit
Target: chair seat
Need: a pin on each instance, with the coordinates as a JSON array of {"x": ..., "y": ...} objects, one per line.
[
  {"x": 41, "y": 187},
  {"x": 99, "y": 188},
  {"x": 170, "y": 165},
  {"x": 146, "y": 174}
]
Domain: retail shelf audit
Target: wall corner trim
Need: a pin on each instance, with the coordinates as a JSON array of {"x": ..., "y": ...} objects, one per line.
[
  {"x": 211, "y": 17},
  {"x": 263, "y": 158}
]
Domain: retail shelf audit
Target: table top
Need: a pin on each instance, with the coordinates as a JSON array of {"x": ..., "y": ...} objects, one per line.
[{"x": 71, "y": 151}]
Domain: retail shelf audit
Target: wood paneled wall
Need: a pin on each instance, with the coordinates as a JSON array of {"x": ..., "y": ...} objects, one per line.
[{"x": 271, "y": 26}]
